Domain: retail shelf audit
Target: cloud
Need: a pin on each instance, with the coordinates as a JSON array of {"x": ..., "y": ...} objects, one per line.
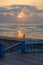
[
  {"x": 39, "y": 11},
  {"x": 10, "y": 13}
]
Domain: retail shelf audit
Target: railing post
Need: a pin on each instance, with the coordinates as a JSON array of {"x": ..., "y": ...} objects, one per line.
[
  {"x": 1, "y": 50},
  {"x": 22, "y": 46}
]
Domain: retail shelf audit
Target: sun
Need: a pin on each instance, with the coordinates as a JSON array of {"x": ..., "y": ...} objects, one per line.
[{"x": 21, "y": 15}]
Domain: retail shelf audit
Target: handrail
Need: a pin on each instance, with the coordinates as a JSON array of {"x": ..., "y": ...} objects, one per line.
[{"x": 15, "y": 45}]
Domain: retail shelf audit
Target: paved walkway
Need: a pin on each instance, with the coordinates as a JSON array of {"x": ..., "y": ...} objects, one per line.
[{"x": 16, "y": 58}]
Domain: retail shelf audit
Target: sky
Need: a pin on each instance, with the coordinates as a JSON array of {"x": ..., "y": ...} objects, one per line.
[
  {"x": 38, "y": 3},
  {"x": 21, "y": 11}
]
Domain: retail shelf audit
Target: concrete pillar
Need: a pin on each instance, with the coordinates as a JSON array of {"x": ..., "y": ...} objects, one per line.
[{"x": 1, "y": 50}]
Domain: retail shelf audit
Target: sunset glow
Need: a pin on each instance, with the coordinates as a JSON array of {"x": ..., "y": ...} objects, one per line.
[
  {"x": 37, "y": 3},
  {"x": 21, "y": 11}
]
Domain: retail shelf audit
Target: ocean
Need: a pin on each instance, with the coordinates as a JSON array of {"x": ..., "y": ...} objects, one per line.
[{"x": 31, "y": 30}]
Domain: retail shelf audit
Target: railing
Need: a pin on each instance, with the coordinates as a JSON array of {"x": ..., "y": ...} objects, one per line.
[
  {"x": 13, "y": 46},
  {"x": 28, "y": 46},
  {"x": 31, "y": 46}
]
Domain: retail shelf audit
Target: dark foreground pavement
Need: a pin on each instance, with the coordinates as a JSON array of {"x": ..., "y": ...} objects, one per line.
[{"x": 16, "y": 58}]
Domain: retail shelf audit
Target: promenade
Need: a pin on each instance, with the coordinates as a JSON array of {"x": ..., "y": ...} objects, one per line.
[{"x": 16, "y": 58}]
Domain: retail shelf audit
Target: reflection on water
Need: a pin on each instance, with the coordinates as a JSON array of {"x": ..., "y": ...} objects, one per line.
[{"x": 31, "y": 30}]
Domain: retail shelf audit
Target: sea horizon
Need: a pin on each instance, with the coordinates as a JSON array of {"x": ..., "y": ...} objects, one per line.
[{"x": 31, "y": 30}]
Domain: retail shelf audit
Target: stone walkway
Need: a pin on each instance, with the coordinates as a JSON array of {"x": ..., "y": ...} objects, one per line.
[{"x": 16, "y": 58}]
